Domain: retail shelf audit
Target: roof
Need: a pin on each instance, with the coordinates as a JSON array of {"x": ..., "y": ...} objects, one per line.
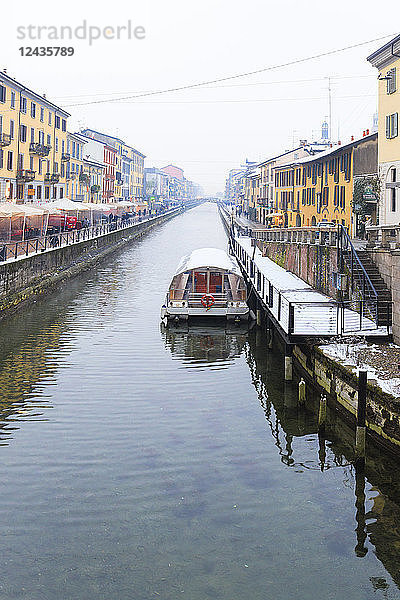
[
  {"x": 208, "y": 257},
  {"x": 41, "y": 98},
  {"x": 328, "y": 152},
  {"x": 384, "y": 54}
]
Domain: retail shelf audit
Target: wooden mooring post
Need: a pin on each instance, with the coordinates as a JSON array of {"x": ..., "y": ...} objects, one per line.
[
  {"x": 361, "y": 415},
  {"x": 322, "y": 414},
  {"x": 288, "y": 362},
  {"x": 302, "y": 392}
]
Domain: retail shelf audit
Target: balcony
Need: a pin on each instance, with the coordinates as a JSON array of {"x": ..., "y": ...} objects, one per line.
[
  {"x": 84, "y": 178},
  {"x": 65, "y": 157},
  {"x": 39, "y": 149},
  {"x": 52, "y": 178},
  {"x": 25, "y": 175},
  {"x": 72, "y": 175},
  {"x": 119, "y": 182},
  {"x": 5, "y": 139}
]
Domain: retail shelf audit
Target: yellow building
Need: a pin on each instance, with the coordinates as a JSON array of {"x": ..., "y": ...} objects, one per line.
[
  {"x": 252, "y": 182},
  {"x": 137, "y": 175},
  {"x": 320, "y": 188},
  {"x": 76, "y": 179},
  {"x": 33, "y": 140},
  {"x": 387, "y": 60}
]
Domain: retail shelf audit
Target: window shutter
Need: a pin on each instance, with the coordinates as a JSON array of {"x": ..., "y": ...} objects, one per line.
[
  {"x": 395, "y": 124},
  {"x": 388, "y": 126}
]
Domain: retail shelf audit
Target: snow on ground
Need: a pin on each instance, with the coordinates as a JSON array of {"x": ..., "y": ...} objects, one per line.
[{"x": 381, "y": 362}]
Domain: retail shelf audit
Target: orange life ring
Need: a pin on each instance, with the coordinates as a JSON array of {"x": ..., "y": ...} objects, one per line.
[{"x": 207, "y": 301}]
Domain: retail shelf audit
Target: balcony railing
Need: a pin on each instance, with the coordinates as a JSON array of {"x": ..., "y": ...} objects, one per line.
[
  {"x": 52, "y": 178},
  {"x": 5, "y": 139},
  {"x": 71, "y": 175},
  {"x": 65, "y": 157},
  {"x": 39, "y": 149},
  {"x": 25, "y": 175},
  {"x": 84, "y": 178}
]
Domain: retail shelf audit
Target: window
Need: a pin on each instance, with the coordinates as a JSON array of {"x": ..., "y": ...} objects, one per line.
[
  {"x": 33, "y": 110},
  {"x": 42, "y": 114},
  {"x": 20, "y": 161},
  {"x": 32, "y": 135},
  {"x": 336, "y": 196},
  {"x": 54, "y": 192},
  {"x": 10, "y": 161},
  {"x": 391, "y": 81},
  {"x": 31, "y": 163},
  {"x": 48, "y": 139},
  {"x": 342, "y": 196},
  {"x": 23, "y": 104},
  {"x": 57, "y": 122},
  {"x": 40, "y": 167},
  {"x": 325, "y": 196},
  {"x": 62, "y": 146},
  {"x": 393, "y": 174},
  {"x": 56, "y": 144},
  {"x": 12, "y": 128},
  {"x": 49, "y": 118},
  {"x": 12, "y": 99},
  {"x": 2, "y": 93},
  {"x": 61, "y": 192},
  {"x": 47, "y": 192},
  {"x": 22, "y": 133},
  {"x": 64, "y": 125},
  {"x": 393, "y": 199},
  {"x": 1, "y": 158},
  {"x": 392, "y": 125},
  {"x": 39, "y": 192}
]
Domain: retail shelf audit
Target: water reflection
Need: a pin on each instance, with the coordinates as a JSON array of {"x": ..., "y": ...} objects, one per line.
[
  {"x": 204, "y": 346},
  {"x": 376, "y": 489}
]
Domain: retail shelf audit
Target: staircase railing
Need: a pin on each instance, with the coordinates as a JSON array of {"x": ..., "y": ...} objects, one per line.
[{"x": 348, "y": 254}]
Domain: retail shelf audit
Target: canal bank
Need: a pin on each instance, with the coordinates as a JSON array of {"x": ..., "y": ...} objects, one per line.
[
  {"x": 304, "y": 346},
  {"x": 24, "y": 279}
]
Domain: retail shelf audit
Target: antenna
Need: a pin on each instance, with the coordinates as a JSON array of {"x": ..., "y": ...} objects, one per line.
[{"x": 330, "y": 108}]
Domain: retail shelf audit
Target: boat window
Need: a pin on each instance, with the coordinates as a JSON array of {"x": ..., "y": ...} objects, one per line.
[
  {"x": 215, "y": 283},
  {"x": 200, "y": 282}
]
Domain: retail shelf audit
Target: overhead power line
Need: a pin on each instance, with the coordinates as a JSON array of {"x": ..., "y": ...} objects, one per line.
[
  {"x": 219, "y": 87},
  {"x": 231, "y": 77}
]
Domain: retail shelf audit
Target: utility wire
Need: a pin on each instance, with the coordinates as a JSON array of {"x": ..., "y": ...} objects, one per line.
[
  {"x": 231, "y": 77},
  {"x": 219, "y": 87}
]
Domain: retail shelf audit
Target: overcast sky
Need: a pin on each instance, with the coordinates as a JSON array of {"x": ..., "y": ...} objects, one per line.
[{"x": 209, "y": 130}]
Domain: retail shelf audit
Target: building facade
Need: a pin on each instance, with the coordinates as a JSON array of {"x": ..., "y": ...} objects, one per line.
[
  {"x": 320, "y": 188},
  {"x": 76, "y": 179},
  {"x": 33, "y": 144},
  {"x": 387, "y": 60}
]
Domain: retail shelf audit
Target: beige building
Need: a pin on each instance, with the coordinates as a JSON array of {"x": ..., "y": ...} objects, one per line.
[
  {"x": 33, "y": 144},
  {"x": 387, "y": 60}
]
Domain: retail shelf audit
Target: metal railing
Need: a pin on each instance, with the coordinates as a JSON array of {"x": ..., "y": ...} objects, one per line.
[
  {"x": 19, "y": 249},
  {"x": 347, "y": 255}
]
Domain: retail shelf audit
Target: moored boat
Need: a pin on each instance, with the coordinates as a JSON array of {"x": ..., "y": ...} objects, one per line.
[{"x": 207, "y": 284}]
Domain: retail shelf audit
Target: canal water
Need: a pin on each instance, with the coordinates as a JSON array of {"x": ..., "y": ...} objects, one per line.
[{"x": 138, "y": 463}]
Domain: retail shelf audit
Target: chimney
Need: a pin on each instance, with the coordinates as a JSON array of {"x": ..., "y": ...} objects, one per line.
[
  {"x": 367, "y": 132},
  {"x": 352, "y": 138},
  {"x": 339, "y": 143},
  {"x": 5, "y": 71}
]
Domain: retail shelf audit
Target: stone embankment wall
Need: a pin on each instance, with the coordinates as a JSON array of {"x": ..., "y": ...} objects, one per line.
[
  {"x": 26, "y": 278},
  {"x": 388, "y": 263},
  {"x": 341, "y": 384},
  {"x": 312, "y": 263}
]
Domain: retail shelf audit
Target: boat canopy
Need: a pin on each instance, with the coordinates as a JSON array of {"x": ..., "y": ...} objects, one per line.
[{"x": 208, "y": 257}]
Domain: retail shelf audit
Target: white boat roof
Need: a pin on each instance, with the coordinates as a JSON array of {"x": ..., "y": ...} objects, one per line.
[{"x": 208, "y": 257}]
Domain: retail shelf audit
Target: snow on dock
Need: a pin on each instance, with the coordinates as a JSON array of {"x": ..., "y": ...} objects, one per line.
[{"x": 296, "y": 306}]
